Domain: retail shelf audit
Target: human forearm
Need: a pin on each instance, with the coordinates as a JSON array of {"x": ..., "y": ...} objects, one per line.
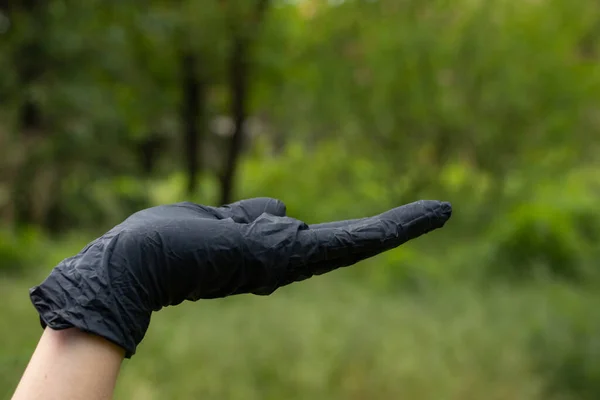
[{"x": 71, "y": 365}]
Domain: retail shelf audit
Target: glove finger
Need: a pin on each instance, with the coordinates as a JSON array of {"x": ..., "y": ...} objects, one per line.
[
  {"x": 338, "y": 224},
  {"x": 321, "y": 250},
  {"x": 246, "y": 211},
  {"x": 289, "y": 251}
]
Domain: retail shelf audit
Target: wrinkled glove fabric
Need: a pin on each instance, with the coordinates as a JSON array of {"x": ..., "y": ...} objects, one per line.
[{"x": 164, "y": 255}]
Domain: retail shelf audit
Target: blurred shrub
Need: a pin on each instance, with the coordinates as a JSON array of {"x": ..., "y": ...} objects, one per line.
[
  {"x": 20, "y": 250},
  {"x": 554, "y": 231},
  {"x": 539, "y": 239},
  {"x": 99, "y": 205},
  {"x": 566, "y": 347},
  {"x": 319, "y": 184}
]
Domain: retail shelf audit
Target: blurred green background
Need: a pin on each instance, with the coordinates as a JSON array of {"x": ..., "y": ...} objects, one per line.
[{"x": 342, "y": 109}]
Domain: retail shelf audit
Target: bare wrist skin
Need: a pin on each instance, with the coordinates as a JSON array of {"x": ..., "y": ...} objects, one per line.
[{"x": 70, "y": 364}]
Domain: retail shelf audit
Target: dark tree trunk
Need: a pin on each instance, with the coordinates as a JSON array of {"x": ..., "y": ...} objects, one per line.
[
  {"x": 149, "y": 150},
  {"x": 31, "y": 61},
  {"x": 239, "y": 76},
  {"x": 239, "y": 86},
  {"x": 192, "y": 108}
]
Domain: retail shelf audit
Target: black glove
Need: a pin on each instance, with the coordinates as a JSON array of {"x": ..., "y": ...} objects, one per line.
[{"x": 164, "y": 255}]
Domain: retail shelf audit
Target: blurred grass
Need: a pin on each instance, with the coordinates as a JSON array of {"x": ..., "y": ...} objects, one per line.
[{"x": 335, "y": 338}]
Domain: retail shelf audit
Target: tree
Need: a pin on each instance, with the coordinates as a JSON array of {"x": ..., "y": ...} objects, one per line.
[{"x": 243, "y": 37}]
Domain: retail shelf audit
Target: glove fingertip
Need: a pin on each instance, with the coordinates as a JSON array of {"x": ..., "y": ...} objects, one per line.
[
  {"x": 443, "y": 212},
  {"x": 276, "y": 207}
]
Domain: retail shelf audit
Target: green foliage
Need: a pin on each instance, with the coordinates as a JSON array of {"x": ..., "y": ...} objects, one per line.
[
  {"x": 344, "y": 188},
  {"x": 104, "y": 203},
  {"x": 20, "y": 251},
  {"x": 565, "y": 346},
  {"x": 555, "y": 231},
  {"x": 540, "y": 238}
]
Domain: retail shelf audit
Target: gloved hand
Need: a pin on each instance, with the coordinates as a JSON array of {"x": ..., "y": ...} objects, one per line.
[{"x": 164, "y": 255}]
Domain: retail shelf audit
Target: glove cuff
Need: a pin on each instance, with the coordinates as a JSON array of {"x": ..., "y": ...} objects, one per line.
[{"x": 63, "y": 302}]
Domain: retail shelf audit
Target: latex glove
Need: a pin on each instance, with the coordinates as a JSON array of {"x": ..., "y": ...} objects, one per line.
[{"x": 164, "y": 255}]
